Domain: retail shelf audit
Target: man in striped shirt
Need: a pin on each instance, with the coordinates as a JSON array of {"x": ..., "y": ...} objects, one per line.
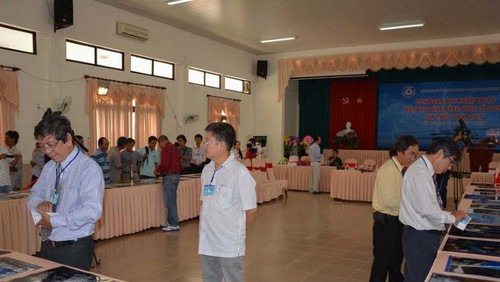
[{"x": 101, "y": 157}]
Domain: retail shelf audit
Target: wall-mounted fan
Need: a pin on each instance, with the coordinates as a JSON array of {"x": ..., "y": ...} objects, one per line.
[
  {"x": 191, "y": 118},
  {"x": 63, "y": 105}
]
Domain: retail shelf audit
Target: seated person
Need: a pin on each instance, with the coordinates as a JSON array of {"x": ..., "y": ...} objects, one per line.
[
  {"x": 334, "y": 160},
  {"x": 249, "y": 152}
]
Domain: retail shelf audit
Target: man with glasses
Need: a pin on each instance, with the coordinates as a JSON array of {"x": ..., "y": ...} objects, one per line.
[
  {"x": 170, "y": 167},
  {"x": 420, "y": 209},
  {"x": 228, "y": 205},
  {"x": 387, "y": 230},
  {"x": 68, "y": 196}
]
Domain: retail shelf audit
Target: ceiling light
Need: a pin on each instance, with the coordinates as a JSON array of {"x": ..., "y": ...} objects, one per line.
[
  {"x": 401, "y": 25},
  {"x": 170, "y": 3},
  {"x": 278, "y": 39}
]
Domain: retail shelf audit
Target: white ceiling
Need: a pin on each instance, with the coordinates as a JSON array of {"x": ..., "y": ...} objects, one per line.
[{"x": 320, "y": 24}]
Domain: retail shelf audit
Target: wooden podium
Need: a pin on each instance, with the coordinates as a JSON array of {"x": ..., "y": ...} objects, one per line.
[{"x": 480, "y": 156}]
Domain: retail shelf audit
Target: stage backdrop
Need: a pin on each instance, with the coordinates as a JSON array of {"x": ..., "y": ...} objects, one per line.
[{"x": 432, "y": 109}]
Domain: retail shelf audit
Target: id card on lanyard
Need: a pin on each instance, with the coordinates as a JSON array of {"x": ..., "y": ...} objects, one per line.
[
  {"x": 54, "y": 196},
  {"x": 438, "y": 195},
  {"x": 209, "y": 190}
]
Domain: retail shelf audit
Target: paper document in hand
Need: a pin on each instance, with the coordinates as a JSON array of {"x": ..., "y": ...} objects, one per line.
[{"x": 462, "y": 223}]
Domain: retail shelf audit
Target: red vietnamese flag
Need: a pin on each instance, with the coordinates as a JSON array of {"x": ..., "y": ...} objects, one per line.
[{"x": 354, "y": 100}]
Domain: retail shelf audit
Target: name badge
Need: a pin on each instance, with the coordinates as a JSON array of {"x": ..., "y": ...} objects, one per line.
[
  {"x": 208, "y": 190},
  {"x": 54, "y": 196}
]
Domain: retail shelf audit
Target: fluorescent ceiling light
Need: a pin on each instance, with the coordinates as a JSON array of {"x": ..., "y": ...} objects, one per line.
[
  {"x": 278, "y": 39},
  {"x": 400, "y": 25},
  {"x": 170, "y": 3}
]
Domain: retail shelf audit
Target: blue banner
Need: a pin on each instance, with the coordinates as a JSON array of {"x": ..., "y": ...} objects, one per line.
[{"x": 432, "y": 109}]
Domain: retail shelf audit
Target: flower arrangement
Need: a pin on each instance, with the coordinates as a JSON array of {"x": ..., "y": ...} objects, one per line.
[
  {"x": 304, "y": 161},
  {"x": 349, "y": 140},
  {"x": 291, "y": 144},
  {"x": 491, "y": 140},
  {"x": 283, "y": 161}
]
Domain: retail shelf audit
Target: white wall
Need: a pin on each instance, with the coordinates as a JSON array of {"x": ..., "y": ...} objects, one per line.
[{"x": 95, "y": 23}]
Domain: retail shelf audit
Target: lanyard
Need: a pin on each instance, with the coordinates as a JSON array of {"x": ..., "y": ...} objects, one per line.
[
  {"x": 213, "y": 176},
  {"x": 58, "y": 175},
  {"x": 402, "y": 173}
]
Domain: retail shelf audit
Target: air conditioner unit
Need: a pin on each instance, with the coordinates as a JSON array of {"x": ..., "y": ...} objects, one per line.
[{"x": 132, "y": 31}]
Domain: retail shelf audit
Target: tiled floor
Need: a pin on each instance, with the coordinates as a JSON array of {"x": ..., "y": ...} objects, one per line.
[{"x": 301, "y": 238}]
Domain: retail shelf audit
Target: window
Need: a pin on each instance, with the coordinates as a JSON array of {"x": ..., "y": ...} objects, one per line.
[
  {"x": 93, "y": 55},
  {"x": 236, "y": 84},
  {"x": 16, "y": 39},
  {"x": 151, "y": 67},
  {"x": 204, "y": 78}
]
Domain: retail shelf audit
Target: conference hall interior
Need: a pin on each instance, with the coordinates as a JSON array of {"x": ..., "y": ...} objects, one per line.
[{"x": 358, "y": 74}]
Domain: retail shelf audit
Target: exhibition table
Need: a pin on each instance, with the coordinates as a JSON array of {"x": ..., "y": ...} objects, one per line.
[
  {"x": 473, "y": 255},
  {"x": 21, "y": 267},
  {"x": 298, "y": 177},
  {"x": 126, "y": 209},
  {"x": 352, "y": 185}
]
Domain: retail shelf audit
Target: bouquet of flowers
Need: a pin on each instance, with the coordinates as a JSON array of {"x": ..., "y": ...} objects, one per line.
[
  {"x": 291, "y": 145},
  {"x": 304, "y": 161},
  {"x": 349, "y": 140},
  {"x": 283, "y": 161}
]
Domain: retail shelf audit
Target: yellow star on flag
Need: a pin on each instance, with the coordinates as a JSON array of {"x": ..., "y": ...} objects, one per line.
[{"x": 359, "y": 100}]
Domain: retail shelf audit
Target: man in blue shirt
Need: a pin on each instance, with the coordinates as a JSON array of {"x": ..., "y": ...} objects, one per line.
[
  {"x": 315, "y": 157},
  {"x": 150, "y": 158},
  {"x": 101, "y": 157},
  {"x": 68, "y": 196}
]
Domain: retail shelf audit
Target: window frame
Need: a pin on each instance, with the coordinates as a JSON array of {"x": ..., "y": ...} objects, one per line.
[
  {"x": 243, "y": 81},
  {"x": 205, "y": 77},
  {"x": 152, "y": 66},
  {"x": 33, "y": 33},
  {"x": 95, "y": 54}
]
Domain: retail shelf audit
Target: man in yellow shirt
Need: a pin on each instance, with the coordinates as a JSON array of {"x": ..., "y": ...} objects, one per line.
[{"x": 387, "y": 230}]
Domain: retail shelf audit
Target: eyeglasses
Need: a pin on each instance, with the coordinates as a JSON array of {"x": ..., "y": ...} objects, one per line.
[
  {"x": 452, "y": 161},
  {"x": 49, "y": 146},
  {"x": 206, "y": 142}
]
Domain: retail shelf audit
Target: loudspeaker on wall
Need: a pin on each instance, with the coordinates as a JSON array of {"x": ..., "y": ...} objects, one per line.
[
  {"x": 262, "y": 69},
  {"x": 63, "y": 14}
]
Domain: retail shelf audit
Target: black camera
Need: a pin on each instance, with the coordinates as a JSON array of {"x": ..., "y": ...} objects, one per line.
[{"x": 466, "y": 133}]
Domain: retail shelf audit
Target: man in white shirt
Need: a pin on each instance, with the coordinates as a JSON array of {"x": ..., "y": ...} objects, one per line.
[
  {"x": 315, "y": 157},
  {"x": 228, "y": 205},
  {"x": 198, "y": 159},
  {"x": 4, "y": 171},
  {"x": 16, "y": 163},
  {"x": 420, "y": 209}
]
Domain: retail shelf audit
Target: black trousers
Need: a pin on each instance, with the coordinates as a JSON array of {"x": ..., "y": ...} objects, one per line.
[
  {"x": 442, "y": 184},
  {"x": 387, "y": 248},
  {"x": 78, "y": 254},
  {"x": 420, "y": 248}
]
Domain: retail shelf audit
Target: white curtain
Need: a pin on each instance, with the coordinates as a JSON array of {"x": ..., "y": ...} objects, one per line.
[
  {"x": 111, "y": 115},
  {"x": 230, "y": 107},
  {"x": 9, "y": 100}
]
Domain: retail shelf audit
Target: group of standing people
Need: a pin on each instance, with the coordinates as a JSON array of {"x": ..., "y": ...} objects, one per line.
[
  {"x": 409, "y": 217},
  {"x": 69, "y": 196}
]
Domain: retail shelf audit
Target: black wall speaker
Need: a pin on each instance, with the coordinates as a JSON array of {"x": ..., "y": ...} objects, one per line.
[
  {"x": 262, "y": 69},
  {"x": 63, "y": 14}
]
